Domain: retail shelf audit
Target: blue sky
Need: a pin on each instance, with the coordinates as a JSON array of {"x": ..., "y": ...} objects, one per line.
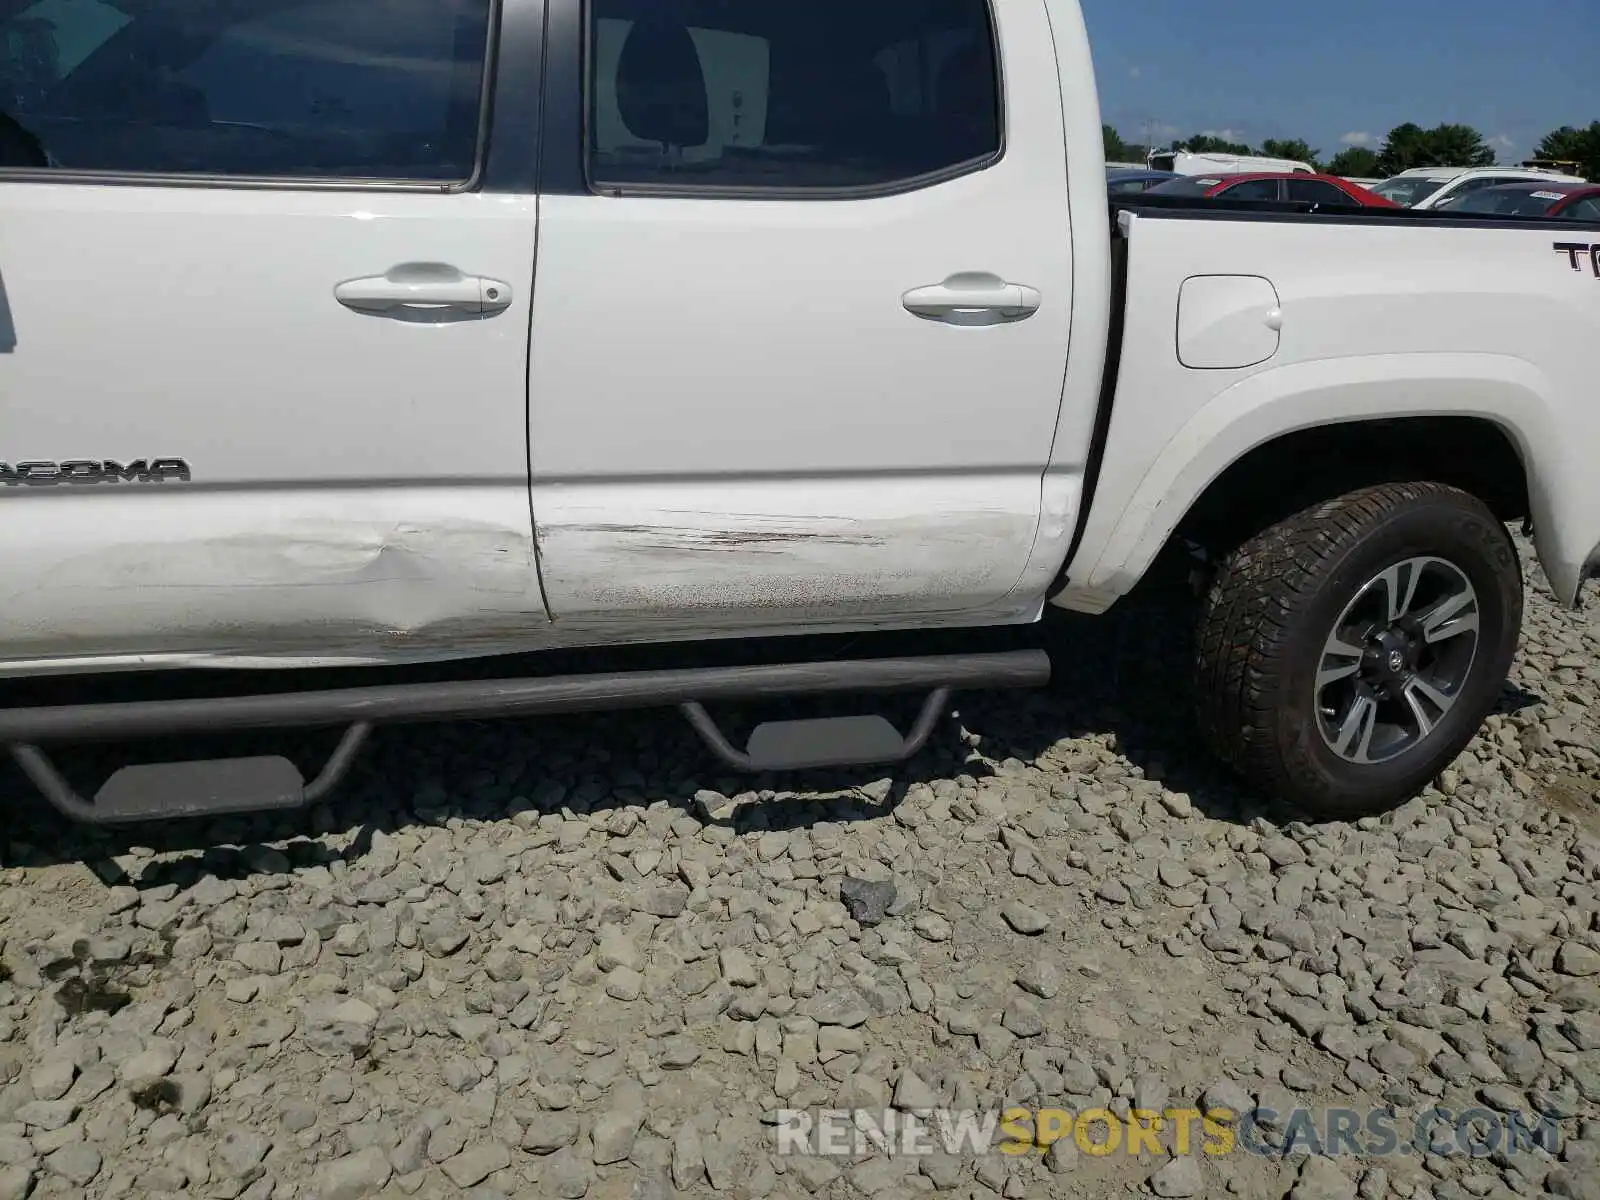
[{"x": 1346, "y": 72}]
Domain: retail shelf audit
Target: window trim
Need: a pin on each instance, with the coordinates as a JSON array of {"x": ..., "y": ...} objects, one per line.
[
  {"x": 573, "y": 42},
  {"x": 499, "y": 11}
]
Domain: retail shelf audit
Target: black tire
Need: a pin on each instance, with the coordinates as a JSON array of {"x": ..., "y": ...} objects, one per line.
[{"x": 1277, "y": 598}]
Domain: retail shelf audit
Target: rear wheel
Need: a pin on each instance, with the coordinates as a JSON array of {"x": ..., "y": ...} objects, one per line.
[{"x": 1348, "y": 654}]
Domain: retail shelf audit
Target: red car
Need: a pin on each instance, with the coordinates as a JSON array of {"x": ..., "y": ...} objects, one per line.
[{"x": 1317, "y": 189}]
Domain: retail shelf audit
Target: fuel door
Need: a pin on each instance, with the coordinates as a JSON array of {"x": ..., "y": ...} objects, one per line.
[{"x": 1227, "y": 322}]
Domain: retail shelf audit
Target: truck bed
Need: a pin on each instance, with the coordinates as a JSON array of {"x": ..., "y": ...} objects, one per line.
[{"x": 1381, "y": 312}]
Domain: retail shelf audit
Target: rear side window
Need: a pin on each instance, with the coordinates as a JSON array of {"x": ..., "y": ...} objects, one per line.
[
  {"x": 1317, "y": 191},
  {"x": 1583, "y": 210},
  {"x": 1252, "y": 189},
  {"x": 326, "y": 89},
  {"x": 1513, "y": 202},
  {"x": 1187, "y": 186},
  {"x": 758, "y": 94}
]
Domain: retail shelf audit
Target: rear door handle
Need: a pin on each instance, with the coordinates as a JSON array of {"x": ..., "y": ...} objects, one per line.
[
  {"x": 420, "y": 287},
  {"x": 972, "y": 298}
]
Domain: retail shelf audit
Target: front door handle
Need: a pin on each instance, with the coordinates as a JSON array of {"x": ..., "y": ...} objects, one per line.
[
  {"x": 423, "y": 287},
  {"x": 972, "y": 298}
]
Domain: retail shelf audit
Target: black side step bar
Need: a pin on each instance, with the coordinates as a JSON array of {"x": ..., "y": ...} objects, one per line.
[{"x": 221, "y": 786}]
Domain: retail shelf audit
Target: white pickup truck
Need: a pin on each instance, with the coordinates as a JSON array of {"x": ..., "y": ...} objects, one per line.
[{"x": 369, "y": 333}]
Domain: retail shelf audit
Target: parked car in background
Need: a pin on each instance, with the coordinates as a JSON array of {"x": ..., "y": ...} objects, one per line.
[
  {"x": 1572, "y": 201},
  {"x": 1181, "y": 162},
  {"x": 1317, "y": 189},
  {"x": 1130, "y": 182},
  {"x": 1432, "y": 187}
]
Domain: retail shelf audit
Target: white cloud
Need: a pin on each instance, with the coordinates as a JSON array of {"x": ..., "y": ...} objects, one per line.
[
  {"x": 1503, "y": 141},
  {"x": 1227, "y": 135},
  {"x": 1358, "y": 139},
  {"x": 1135, "y": 72}
]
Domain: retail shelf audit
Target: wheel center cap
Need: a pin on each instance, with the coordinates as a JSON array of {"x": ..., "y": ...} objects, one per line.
[{"x": 1389, "y": 659}]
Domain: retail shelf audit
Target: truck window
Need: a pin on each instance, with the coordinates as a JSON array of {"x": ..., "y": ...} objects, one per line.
[
  {"x": 788, "y": 96},
  {"x": 321, "y": 89}
]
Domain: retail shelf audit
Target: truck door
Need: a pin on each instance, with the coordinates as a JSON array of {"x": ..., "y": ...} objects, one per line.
[
  {"x": 802, "y": 309},
  {"x": 263, "y": 364}
]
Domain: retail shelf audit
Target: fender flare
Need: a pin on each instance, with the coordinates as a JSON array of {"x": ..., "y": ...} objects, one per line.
[{"x": 1509, "y": 392}]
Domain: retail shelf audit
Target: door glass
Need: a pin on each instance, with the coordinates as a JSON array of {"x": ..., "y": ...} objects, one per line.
[
  {"x": 1317, "y": 191},
  {"x": 783, "y": 96},
  {"x": 1584, "y": 210},
  {"x": 384, "y": 89},
  {"x": 1253, "y": 189}
]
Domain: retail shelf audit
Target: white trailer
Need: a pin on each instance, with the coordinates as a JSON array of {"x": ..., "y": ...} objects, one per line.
[{"x": 1182, "y": 162}]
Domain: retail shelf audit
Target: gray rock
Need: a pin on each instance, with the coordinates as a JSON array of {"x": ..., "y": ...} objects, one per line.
[
  {"x": 1174, "y": 874},
  {"x": 737, "y": 967},
  {"x": 16, "y": 1181},
  {"x": 566, "y": 1176},
  {"x": 1041, "y": 979},
  {"x": 624, "y": 984},
  {"x": 443, "y": 935},
  {"x": 866, "y": 900},
  {"x": 1282, "y": 851},
  {"x": 337, "y": 1027},
  {"x": 1227, "y": 1097},
  {"x": 241, "y": 1150},
  {"x": 1322, "y": 1179},
  {"x": 616, "y": 1128},
  {"x": 47, "y": 1114},
  {"x": 1576, "y": 958},
  {"x": 932, "y": 927},
  {"x": 688, "y": 1157},
  {"x": 1023, "y": 919},
  {"x": 1179, "y": 1178},
  {"x": 476, "y": 1163},
  {"x": 547, "y": 1132},
  {"x": 355, "y": 1176},
  {"x": 911, "y": 1094},
  {"x": 1023, "y": 1018},
  {"x": 52, "y": 1078},
  {"x": 263, "y": 958},
  {"x": 1573, "y": 1185},
  {"x": 76, "y": 1162},
  {"x": 154, "y": 1062}
]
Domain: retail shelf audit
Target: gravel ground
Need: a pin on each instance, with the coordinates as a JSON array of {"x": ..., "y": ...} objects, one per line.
[{"x": 571, "y": 959}]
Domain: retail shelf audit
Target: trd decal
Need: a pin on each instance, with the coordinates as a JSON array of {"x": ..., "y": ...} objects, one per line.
[
  {"x": 1576, "y": 252},
  {"x": 88, "y": 470}
]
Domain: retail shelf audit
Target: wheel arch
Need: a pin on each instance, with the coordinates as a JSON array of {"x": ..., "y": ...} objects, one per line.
[{"x": 1336, "y": 424}]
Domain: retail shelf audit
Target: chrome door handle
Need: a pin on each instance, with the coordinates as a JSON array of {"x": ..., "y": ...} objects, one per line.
[
  {"x": 421, "y": 287},
  {"x": 972, "y": 298}
]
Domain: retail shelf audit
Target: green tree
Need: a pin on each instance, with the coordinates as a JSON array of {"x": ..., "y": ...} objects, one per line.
[
  {"x": 1410, "y": 145},
  {"x": 1117, "y": 150},
  {"x": 1297, "y": 149},
  {"x": 1205, "y": 143},
  {"x": 1568, "y": 144},
  {"x": 1357, "y": 162}
]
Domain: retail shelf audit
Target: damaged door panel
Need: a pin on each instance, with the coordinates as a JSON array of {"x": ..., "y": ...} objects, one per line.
[
  {"x": 802, "y": 389},
  {"x": 224, "y": 578},
  {"x": 835, "y": 552},
  {"x": 354, "y": 485}
]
